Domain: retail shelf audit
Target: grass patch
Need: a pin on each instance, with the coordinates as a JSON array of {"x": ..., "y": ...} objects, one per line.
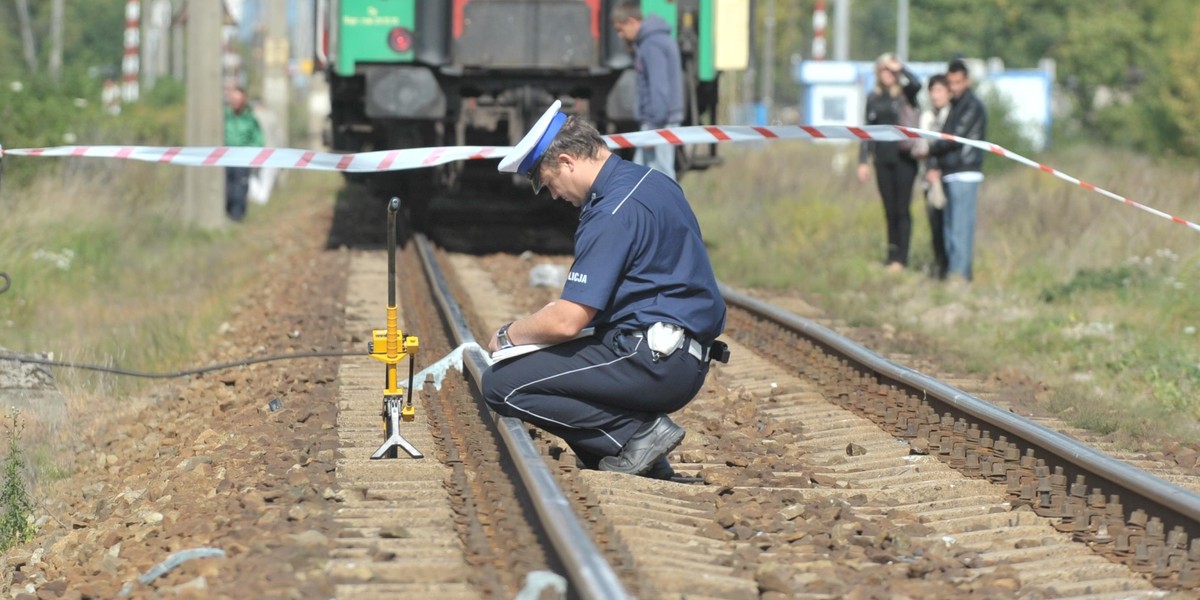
[
  {"x": 104, "y": 272},
  {"x": 1089, "y": 295},
  {"x": 1113, "y": 278}
]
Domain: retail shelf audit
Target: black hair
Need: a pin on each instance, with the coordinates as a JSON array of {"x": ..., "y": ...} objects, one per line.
[
  {"x": 958, "y": 66},
  {"x": 939, "y": 79}
]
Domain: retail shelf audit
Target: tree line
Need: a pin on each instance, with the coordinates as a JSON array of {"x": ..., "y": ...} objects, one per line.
[
  {"x": 1126, "y": 67},
  {"x": 61, "y": 41}
]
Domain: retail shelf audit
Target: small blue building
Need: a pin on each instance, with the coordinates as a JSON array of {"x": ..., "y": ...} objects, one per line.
[{"x": 835, "y": 92}]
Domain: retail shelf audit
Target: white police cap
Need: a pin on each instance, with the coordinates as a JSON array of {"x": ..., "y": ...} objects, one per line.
[{"x": 527, "y": 151}]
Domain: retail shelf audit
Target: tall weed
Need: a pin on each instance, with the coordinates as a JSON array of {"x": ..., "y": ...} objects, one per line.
[{"x": 15, "y": 506}]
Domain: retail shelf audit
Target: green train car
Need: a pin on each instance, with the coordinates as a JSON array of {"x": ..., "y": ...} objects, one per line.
[{"x": 414, "y": 73}]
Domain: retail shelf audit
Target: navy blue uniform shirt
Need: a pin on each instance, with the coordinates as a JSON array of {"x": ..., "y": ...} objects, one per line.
[{"x": 639, "y": 257}]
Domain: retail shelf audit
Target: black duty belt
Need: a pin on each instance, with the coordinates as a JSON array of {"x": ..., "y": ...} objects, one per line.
[{"x": 718, "y": 351}]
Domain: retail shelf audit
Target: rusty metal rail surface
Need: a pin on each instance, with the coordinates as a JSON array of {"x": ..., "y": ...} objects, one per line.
[
  {"x": 589, "y": 574},
  {"x": 1173, "y": 505}
]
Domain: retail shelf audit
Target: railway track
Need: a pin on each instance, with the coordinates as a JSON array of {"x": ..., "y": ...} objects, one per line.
[{"x": 823, "y": 473}]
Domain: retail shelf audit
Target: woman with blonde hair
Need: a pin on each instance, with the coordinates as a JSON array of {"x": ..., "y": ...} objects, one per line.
[{"x": 893, "y": 101}]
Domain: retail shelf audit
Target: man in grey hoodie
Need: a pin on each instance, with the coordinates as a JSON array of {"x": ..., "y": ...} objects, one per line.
[{"x": 659, "y": 78}]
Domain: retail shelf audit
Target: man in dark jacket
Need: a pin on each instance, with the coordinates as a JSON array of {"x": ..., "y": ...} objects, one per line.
[
  {"x": 659, "y": 79},
  {"x": 641, "y": 279},
  {"x": 958, "y": 166}
]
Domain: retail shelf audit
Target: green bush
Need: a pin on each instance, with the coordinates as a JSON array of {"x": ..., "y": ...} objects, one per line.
[
  {"x": 37, "y": 114},
  {"x": 1004, "y": 132}
]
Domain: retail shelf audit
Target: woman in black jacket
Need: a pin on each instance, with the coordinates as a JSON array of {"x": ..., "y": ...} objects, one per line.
[{"x": 894, "y": 97}]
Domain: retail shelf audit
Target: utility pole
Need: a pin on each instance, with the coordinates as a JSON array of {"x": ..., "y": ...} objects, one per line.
[
  {"x": 156, "y": 39},
  {"x": 748, "y": 77},
  {"x": 314, "y": 101},
  {"x": 276, "y": 89},
  {"x": 204, "y": 187},
  {"x": 302, "y": 36},
  {"x": 768, "y": 66},
  {"x": 178, "y": 36},
  {"x": 56, "y": 40},
  {"x": 902, "y": 30},
  {"x": 27, "y": 36},
  {"x": 131, "y": 64},
  {"x": 841, "y": 30},
  {"x": 819, "y": 21}
]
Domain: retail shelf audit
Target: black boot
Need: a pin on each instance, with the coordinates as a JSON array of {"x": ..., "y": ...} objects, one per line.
[
  {"x": 651, "y": 442},
  {"x": 661, "y": 469}
]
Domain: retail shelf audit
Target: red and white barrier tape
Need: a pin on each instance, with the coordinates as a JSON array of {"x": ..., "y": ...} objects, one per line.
[
  {"x": 416, "y": 158},
  {"x": 881, "y": 133},
  {"x": 281, "y": 158}
]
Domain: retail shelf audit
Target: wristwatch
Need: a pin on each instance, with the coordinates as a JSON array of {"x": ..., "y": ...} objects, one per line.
[{"x": 502, "y": 336}]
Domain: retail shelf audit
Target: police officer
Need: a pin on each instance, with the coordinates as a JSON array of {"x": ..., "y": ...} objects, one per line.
[{"x": 641, "y": 278}]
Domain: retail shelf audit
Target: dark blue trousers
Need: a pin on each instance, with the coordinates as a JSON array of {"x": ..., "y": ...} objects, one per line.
[
  {"x": 593, "y": 392},
  {"x": 237, "y": 185}
]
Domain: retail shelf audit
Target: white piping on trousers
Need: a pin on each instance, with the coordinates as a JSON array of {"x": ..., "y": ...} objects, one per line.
[{"x": 518, "y": 388}]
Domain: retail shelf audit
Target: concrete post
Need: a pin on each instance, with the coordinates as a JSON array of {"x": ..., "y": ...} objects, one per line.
[
  {"x": 276, "y": 88},
  {"x": 204, "y": 187}
]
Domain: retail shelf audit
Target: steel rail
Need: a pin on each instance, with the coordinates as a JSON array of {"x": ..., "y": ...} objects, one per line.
[
  {"x": 590, "y": 575},
  {"x": 1137, "y": 488}
]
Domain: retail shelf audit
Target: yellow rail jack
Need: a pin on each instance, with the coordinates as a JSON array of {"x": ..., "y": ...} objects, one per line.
[{"x": 391, "y": 346}]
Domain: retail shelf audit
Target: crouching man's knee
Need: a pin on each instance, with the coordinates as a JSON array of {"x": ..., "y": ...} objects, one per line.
[{"x": 493, "y": 395}]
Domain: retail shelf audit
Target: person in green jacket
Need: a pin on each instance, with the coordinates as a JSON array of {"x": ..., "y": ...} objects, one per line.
[{"x": 241, "y": 129}]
